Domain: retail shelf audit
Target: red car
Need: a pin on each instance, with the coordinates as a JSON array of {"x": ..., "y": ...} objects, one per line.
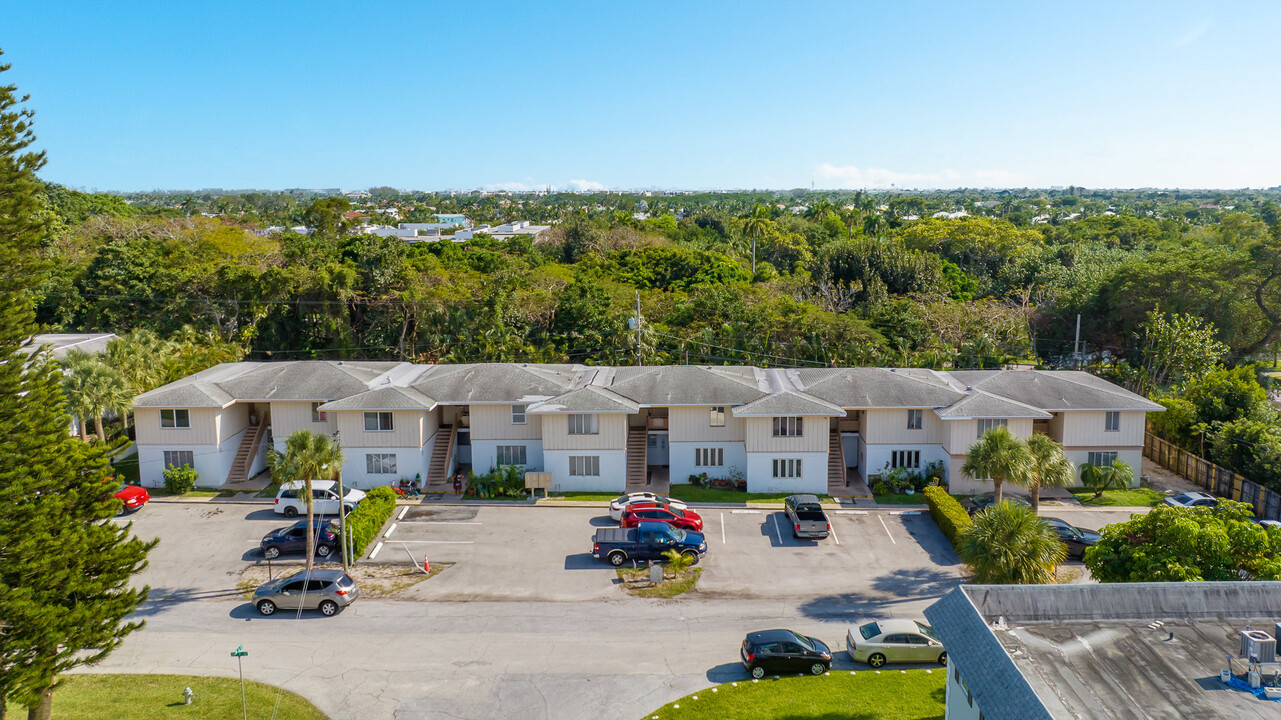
[
  {"x": 685, "y": 519},
  {"x": 134, "y": 497}
]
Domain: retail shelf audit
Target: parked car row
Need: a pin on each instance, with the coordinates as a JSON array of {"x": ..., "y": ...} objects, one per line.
[
  {"x": 324, "y": 498},
  {"x": 874, "y": 642}
]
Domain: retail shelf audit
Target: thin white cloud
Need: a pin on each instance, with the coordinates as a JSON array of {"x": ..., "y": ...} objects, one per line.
[
  {"x": 527, "y": 186},
  {"x": 1192, "y": 35},
  {"x": 853, "y": 177},
  {"x": 586, "y": 185}
]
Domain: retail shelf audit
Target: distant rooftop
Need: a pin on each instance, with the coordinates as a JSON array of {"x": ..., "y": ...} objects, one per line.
[{"x": 62, "y": 343}]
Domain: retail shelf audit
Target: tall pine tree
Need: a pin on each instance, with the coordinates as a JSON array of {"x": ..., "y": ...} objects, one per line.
[{"x": 65, "y": 565}]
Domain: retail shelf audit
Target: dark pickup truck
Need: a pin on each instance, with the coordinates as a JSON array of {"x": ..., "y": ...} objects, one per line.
[{"x": 648, "y": 541}]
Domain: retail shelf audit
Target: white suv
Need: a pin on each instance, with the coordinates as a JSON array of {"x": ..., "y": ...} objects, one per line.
[{"x": 324, "y": 498}]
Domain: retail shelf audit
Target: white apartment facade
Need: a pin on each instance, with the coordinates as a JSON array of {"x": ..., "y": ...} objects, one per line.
[{"x": 617, "y": 428}]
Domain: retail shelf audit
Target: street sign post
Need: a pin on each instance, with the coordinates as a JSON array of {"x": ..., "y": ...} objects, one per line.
[{"x": 238, "y": 653}]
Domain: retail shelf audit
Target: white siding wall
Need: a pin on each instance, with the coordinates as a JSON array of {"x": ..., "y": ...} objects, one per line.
[
  {"x": 1131, "y": 457},
  {"x": 878, "y": 456},
  {"x": 957, "y": 706},
  {"x": 760, "y": 473},
  {"x": 213, "y": 462},
  {"x": 410, "y": 461},
  {"x": 613, "y": 470},
  {"x": 484, "y": 454},
  {"x": 1086, "y": 429},
  {"x": 232, "y": 420},
  {"x": 409, "y": 429},
  {"x": 890, "y": 426},
  {"x": 203, "y": 430},
  {"x": 962, "y": 434},
  {"x": 612, "y": 435},
  {"x": 760, "y": 436},
  {"x": 693, "y": 424},
  {"x": 681, "y": 459},
  {"x": 289, "y": 417},
  {"x": 494, "y": 422},
  {"x": 850, "y": 444}
]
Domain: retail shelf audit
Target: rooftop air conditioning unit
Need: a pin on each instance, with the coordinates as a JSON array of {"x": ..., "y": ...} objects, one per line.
[{"x": 1258, "y": 646}]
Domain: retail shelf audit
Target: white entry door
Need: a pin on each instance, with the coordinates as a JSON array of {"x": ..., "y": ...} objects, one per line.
[{"x": 656, "y": 453}]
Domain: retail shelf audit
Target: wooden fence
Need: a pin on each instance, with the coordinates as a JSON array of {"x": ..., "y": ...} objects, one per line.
[{"x": 1216, "y": 480}]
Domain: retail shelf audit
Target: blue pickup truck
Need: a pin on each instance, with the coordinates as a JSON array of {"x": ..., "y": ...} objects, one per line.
[{"x": 648, "y": 541}]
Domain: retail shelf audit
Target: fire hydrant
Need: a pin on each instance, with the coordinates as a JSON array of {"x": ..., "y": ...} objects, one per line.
[{"x": 188, "y": 696}]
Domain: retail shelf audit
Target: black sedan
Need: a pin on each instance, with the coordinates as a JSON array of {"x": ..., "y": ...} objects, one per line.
[
  {"x": 987, "y": 500},
  {"x": 1076, "y": 539},
  {"x": 784, "y": 651},
  {"x": 293, "y": 539}
]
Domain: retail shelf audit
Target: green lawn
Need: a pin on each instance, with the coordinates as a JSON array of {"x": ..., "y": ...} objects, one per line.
[
  {"x": 583, "y": 496},
  {"x": 148, "y": 697},
  {"x": 270, "y": 491},
  {"x": 689, "y": 493},
  {"x": 127, "y": 469},
  {"x": 899, "y": 499},
  {"x": 865, "y": 695},
  {"x": 1135, "y": 497},
  {"x": 197, "y": 493}
]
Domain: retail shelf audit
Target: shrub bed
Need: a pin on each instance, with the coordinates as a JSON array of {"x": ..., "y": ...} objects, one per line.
[
  {"x": 367, "y": 519},
  {"x": 947, "y": 513}
]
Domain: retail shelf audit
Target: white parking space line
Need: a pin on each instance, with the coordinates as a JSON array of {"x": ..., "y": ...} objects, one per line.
[
  {"x": 438, "y": 522},
  {"x": 832, "y": 530},
  {"x": 849, "y": 512},
  {"x": 887, "y": 529},
  {"x": 403, "y": 510},
  {"x": 438, "y": 542},
  {"x": 745, "y": 512},
  {"x": 722, "y": 528},
  {"x": 377, "y": 547},
  {"x": 778, "y": 533},
  {"x": 390, "y": 530}
]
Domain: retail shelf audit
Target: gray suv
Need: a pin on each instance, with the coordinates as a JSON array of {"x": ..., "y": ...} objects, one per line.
[{"x": 325, "y": 590}]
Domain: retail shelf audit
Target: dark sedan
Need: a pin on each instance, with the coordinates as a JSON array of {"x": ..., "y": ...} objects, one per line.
[
  {"x": 784, "y": 651},
  {"x": 986, "y": 500},
  {"x": 293, "y": 539},
  {"x": 1077, "y": 539}
]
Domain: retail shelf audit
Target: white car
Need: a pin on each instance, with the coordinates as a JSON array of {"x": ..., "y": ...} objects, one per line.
[
  {"x": 324, "y": 498},
  {"x": 1192, "y": 499},
  {"x": 620, "y": 503}
]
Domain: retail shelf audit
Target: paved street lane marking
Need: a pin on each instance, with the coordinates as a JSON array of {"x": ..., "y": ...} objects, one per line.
[
  {"x": 887, "y": 528},
  {"x": 438, "y": 542},
  {"x": 403, "y": 510},
  {"x": 438, "y": 522},
  {"x": 778, "y": 533},
  {"x": 390, "y": 530},
  {"x": 377, "y": 547}
]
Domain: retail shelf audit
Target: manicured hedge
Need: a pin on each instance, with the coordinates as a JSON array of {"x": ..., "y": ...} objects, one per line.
[
  {"x": 947, "y": 513},
  {"x": 367, "y": 519}
]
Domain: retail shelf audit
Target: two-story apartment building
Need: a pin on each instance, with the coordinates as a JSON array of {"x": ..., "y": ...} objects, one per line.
[{"x": 614, "y": 428}]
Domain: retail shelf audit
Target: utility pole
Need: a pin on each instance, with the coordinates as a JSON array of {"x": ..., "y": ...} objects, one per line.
[
  {"x": 638, "y": 330},
  {"x": 342, "y": 515},
  {"x": 1076, "y": 344}
]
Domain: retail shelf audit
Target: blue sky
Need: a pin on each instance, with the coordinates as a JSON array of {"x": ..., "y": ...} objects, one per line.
[{"x": 435, "y": 95}]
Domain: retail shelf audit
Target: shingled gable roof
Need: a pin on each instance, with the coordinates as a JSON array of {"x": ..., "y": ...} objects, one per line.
[
  {"x": 384, "y": 397},
  {"x": 979, "y": 404},
  {"x": 1055, "y": 390},
  {"x": 669, "y": 385},
  {"x": 867, "y": 387},
  {"x": 315, "y": 380},
  {"x": 193, "y": 391},
  {"x": 787, "y": 402},
  {"x": 496, "y": 382},
  {"x": 590, "y": 399}
]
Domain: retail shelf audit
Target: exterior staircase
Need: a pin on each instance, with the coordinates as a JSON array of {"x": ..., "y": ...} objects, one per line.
[
  {"x": 442, "y": 453},
  {"x": 837, "y": 481},
  {"x": 248, "y": 451},
  {"x": 637, "y": 459}
]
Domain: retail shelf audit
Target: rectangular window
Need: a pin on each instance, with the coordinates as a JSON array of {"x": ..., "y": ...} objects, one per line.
[
  {"x": 1102, "y": 458},
  {"x": 788, "y": 427},
  {"x": 179, "y": 458},
  {"x": 584, "y": 465},
  {"x": 717, "y": 418},
  {"x": 1112, "y": 422},
  {"x": 914, "y": 419},
  {"x": 175, "y": 419},
  {"x": 709, "y": 457},
  {"x": 316, "y": 415},
  {"x": 583, "y": 424},
  {"x": 787, "y": 467},
  {"x": 518, "y": 414},
  {"x": 989, "y": 424},
  {"x": 511, "y": 455},
  {"x": 378, "y": 422},
  {"x": 380, "y": 463},
  {"x": 905, "y": 459}
]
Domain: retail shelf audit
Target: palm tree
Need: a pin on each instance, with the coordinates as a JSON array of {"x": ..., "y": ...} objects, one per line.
[
  {"x": 1009, "y": 545},
  {"x": 93, "y": 389},
  {"x": 1098, "y": 478},
  {"x": 308, "y": 456},
  {"x": 756, "y": 225},
  {"x": 139, "y": 357},
  {"x": 875, "y": 225},
  {"x": 1000, "y": 456},
  {"x": 1049, "y": 467}
]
